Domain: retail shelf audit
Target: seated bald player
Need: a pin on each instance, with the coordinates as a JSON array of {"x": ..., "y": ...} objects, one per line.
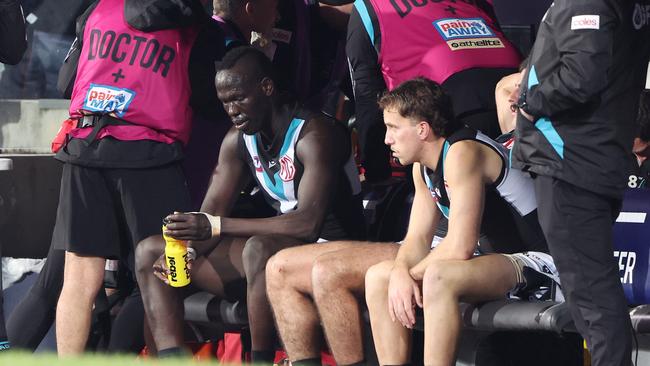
[
  {"x": 301, "y": 160},
  {"x": 489, "y": 201}
]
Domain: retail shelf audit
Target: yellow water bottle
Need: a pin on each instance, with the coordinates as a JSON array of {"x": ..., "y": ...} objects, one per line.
[{"x": 176, "y": 259}]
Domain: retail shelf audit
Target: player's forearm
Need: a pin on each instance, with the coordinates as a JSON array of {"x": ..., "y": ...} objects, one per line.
[
  {"x": 218, "y": 200},
  {"x": 304, "y": 226},
  {"x": 409, "y": 254},
  {"x": 444, "y": 251}
]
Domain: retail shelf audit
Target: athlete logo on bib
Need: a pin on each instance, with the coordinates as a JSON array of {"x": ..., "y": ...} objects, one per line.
[{"x": 287, "y": 169}]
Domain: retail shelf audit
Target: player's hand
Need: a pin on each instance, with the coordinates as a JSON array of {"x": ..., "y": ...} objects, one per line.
[
  {"x": 417, "y": 272},
  {"x": 188, "y": 226},
  {"x": 403, "y": 296},
  {"x": 160, "y": 269}
]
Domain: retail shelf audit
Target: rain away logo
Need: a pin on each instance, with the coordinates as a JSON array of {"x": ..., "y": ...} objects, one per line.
[
  {"x": 467, "y": 33},
  {"x": 107, "y": 99}
]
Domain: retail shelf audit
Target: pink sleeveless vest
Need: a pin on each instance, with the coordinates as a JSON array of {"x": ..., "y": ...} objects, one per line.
[
  {"x": 426, "y": 38},
  {"x": 139, "y": 77}
]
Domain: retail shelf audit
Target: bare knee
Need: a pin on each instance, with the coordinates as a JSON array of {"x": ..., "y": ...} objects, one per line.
[
  {"x": 256, "y": 253},
  {"x": 437, "y": 283},
  {"x": 83, "y": 276},
  {"x": 277, "y": 270},
  {"x": 377, "y": 280},
  {"x": 146, "y": 254}
]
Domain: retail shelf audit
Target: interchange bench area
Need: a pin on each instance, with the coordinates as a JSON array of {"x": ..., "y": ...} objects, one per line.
[{"x": 505, "y": 331}]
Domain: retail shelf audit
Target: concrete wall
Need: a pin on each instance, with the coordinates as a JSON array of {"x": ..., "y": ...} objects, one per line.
[{"x": 28, "y": 126}]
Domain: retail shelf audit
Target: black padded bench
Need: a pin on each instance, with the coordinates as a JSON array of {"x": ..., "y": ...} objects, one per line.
[
  {"x": 640, "y": 317},
  {"x": 518, "y": 315},
  {"x": 204, "y": 307},
  {"x": 512, "y": 332}
]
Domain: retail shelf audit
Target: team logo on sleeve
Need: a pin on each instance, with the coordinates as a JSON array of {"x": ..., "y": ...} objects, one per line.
[
  {"x": 287, "y": 168},
  {"x": 467, "y": 33},
  {"x": 108, "y": 99}
]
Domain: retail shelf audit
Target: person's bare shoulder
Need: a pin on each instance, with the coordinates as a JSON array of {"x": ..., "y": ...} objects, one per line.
[{"x": 324, "y": 134}]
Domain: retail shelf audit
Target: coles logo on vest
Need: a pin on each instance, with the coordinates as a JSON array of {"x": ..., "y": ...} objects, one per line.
[
  {"x": 585, "y": 22},
  {"x": 108, "y": 99},
  {"x": 467, "y": 33},
  {"x": 287, "y": 169}
]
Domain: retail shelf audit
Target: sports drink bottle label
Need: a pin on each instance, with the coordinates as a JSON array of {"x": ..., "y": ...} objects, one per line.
[{"x": 176, "y": 258}]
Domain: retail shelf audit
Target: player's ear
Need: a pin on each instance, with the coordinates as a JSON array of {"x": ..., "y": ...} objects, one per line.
[
  {"x": 267, "y": 86},
  {"x": 423, "y": 130},
  {"x": 249, "y": 8}
]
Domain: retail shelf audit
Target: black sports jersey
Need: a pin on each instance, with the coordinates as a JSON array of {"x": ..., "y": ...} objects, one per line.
[
  {"x": 279, "y": 175},
  {"x": 509, "y": 221}
]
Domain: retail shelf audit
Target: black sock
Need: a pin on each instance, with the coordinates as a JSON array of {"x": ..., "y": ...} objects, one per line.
[
  {"x": 307, "y": 362},
  {"x": 360, "y": 363},
  {"x": 262, "y": 357},
  {"x": 171, "y": 352}
]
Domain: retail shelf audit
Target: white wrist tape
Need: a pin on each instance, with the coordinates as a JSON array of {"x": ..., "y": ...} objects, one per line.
[{"x": 215, "y": 223}]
